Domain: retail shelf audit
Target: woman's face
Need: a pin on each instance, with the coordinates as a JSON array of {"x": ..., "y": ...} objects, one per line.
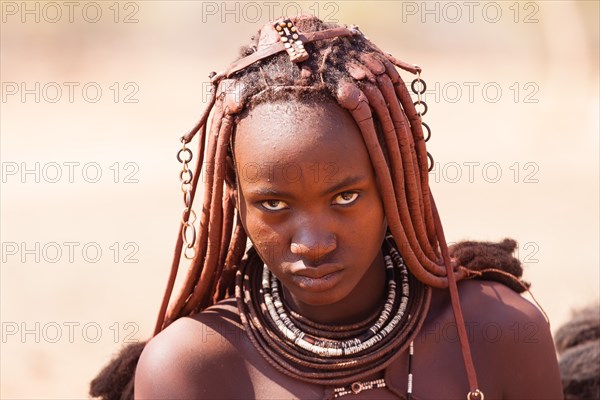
[{"x": 308, "y": 199}]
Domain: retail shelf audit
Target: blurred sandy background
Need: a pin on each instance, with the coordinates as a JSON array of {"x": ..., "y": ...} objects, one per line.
[{"x": 513, "y": 91}]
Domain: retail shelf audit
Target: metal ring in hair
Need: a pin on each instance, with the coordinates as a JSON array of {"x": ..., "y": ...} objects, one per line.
[
  {"x": 414, "y": 89},
  {"x": 430, "y": 158},
  {"x": 188, "y": 176},
  {"x": 421, "y": 103},
  {"x": 428, "y": 129},
  {"x": 188, "y": 155}
]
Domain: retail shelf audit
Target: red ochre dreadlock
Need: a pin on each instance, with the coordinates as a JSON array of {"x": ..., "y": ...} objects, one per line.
[{"x": 346, "y": 67}]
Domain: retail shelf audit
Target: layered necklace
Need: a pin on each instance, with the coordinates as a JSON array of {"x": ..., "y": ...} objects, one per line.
[{"x": 331, "y": 355}]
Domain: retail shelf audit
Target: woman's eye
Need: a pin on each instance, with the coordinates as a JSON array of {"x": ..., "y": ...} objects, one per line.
[
  {"x": 274, "y": 205},
  {"x": 346, "y": 198}
]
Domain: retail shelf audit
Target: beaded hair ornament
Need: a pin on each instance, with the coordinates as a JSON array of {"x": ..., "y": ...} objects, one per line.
[{"x": 371, "y": 90}]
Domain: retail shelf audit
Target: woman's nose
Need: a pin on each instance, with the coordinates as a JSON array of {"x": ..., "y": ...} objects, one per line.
[{"x": 313, "y": 243}]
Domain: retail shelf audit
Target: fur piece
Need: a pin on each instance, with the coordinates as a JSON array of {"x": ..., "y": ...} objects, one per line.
[
  {"x": 115, "y": 381},
  {"x": 479, "y": 256},
  {"x": 578, "y": 344}
]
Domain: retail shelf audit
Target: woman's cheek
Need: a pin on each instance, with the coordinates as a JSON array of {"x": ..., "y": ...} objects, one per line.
[{"x": 265, "y": 240}]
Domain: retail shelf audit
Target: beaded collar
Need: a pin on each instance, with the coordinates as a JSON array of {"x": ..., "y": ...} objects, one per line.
[{"x": 325, "y": 354}]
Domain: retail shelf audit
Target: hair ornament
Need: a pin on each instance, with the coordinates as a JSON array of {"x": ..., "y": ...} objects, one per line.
[{"x": 290, "y": 37}]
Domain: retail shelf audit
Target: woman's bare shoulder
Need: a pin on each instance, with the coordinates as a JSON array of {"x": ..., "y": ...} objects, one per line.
[
  {"x": 504, "y": 318},
  {"x": 192, "y": 355},
  {"x": 486, "y": 302},
  {"x": 516, "y": 335},
  {"x": 479, "y": 297}
]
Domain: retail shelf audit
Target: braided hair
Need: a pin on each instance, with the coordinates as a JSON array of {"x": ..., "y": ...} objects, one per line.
[{"x": 362, "y": 79}]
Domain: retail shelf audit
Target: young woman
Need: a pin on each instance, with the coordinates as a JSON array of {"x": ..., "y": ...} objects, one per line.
[{"x": 316, "y": 157}]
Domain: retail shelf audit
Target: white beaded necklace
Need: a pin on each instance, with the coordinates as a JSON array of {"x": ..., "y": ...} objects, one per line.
[
  {"x": 337, "y": 356},
  {"x": 335, "y": 348}
]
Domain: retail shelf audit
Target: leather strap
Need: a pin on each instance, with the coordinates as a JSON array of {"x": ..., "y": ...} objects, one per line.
[
  {"x": 278, "y": 46},
  {"x": 455, "y": 301}
]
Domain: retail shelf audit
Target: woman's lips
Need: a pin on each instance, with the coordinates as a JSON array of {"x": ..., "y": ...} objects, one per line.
[{"x": 317, "y": 279}]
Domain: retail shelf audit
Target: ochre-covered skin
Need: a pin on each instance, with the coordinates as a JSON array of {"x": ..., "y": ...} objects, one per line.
[
  {"x": 224, "y": 364},
  {"x": 201, "y": 350}
]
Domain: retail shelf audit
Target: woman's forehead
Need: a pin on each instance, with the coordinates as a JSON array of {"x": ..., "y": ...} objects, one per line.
[
  {"x": 302, "y": 124},
  {"x": 305, "y": 135}
]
